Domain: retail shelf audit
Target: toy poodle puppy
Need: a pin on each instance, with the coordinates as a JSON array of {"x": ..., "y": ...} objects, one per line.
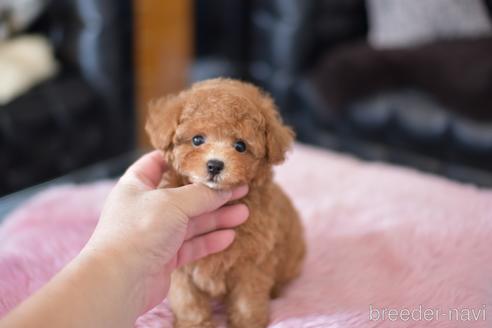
[{"x": 224, "y": 133}]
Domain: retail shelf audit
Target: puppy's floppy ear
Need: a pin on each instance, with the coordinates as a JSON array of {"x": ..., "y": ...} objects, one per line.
[
  {"x": 279, "y": 137},
  {"x": 162, "y": 121}
]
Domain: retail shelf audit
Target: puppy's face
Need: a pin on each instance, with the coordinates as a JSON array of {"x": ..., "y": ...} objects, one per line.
[
  {"x": 220, "y": 148},
  {"x": 219, "y": 133}
]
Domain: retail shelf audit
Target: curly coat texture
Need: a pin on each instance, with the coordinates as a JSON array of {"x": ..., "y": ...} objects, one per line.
[{"x": 269, "y": 248}]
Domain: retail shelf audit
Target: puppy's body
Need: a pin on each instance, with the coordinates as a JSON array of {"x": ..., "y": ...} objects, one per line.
[
  {"x": 266, "y": 253},
  {"x": 268, "y": 249}
]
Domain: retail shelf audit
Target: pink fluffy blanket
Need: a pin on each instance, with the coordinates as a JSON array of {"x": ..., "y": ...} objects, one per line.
[{"x": 387, "y": 246}]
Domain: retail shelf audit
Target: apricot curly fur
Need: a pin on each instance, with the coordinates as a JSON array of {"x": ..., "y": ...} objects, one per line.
[{"x": 269, "y": 248}]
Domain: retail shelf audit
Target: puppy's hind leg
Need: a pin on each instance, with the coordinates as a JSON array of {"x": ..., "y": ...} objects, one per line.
[
  {"x": 191, "y": 306},
  {"x": 291, "y": 254}
]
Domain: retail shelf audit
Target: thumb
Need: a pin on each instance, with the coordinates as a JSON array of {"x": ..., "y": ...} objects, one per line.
[{"x": 197, "y": 199}]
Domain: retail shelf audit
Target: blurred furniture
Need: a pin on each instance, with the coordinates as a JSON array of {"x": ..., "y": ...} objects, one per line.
[
  {"x": 278, "y": 44},
  {"x": 107, "y": 169},
  {"x": 163, "y": 52},
  {"x": 84, "y": 114}
]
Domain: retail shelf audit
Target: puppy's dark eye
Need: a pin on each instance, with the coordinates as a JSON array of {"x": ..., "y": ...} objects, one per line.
[
  {"x": 240, "y": 146},
  {"x": 197, "y": 140}
]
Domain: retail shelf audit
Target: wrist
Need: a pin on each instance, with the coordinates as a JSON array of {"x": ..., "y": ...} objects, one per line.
[{"x": 117, "y": 278}]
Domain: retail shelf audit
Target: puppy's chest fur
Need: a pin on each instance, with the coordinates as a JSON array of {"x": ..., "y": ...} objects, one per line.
[{"x": 254, "y": 243}]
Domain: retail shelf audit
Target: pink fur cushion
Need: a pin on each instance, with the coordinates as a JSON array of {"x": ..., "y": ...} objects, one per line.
[{"x": 380, "y": 238}]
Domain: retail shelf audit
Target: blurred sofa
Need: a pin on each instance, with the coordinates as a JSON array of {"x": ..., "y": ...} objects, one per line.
[
  {"x": 284, "y": 46},
  {"x": 85, "y": 113}
]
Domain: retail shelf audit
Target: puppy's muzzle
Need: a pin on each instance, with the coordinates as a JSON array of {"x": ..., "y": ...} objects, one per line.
[{"x": 214, "y": 167}]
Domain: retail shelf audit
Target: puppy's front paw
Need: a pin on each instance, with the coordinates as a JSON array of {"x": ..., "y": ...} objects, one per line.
[{"x": 187, "y": 324}]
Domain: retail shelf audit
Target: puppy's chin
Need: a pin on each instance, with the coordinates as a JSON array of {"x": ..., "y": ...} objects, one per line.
[
  {"x": 216, "y": 184},
  {"x": 213, "y": 185}
]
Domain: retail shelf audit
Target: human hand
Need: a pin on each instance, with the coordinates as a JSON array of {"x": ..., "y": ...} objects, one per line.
[{"x": 148, "y": 232}]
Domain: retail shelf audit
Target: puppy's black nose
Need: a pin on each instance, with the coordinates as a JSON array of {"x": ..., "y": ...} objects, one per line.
[{"x": 214, "y": 166}]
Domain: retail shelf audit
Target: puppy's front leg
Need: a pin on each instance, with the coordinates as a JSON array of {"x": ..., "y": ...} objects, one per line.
[
  {"x": 191, "y": 306},
  {"x": 248, "y": 299}
]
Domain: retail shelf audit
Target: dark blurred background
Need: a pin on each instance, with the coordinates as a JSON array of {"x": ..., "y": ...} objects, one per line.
[{"x": 407, "y": 82}]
